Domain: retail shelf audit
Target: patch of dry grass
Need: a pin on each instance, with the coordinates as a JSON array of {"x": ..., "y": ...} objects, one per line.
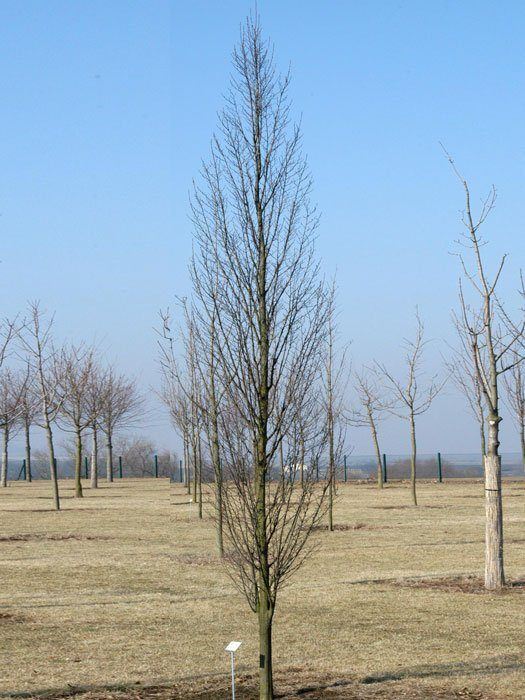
[
  {"x": 379, "y": 611},
  {"x": 85, "y": 593},
  {"x": 122, "y": 596}
]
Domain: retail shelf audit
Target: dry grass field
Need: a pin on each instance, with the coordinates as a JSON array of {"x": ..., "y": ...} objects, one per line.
[
  {"x": 85, "y": 593},
  {"x": 122, "y": 596},
  {"x": 385, "y": 608}
]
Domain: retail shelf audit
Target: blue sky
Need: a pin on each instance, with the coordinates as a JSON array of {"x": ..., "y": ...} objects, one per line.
[{"x": 108, "y": 109}]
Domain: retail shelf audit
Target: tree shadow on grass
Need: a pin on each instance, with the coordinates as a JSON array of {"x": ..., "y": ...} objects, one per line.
[{"x": 482, "y": 667}]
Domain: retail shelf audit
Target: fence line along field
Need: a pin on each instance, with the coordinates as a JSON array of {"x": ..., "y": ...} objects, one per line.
[
  {"x": 391, "y": 604},
  {"x": 84, "y": 600}
]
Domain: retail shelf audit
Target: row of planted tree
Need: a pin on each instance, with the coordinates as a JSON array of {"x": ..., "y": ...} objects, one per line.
[
  {"x": 253, "y": 375},
  {"x": 69, "y": 387}
]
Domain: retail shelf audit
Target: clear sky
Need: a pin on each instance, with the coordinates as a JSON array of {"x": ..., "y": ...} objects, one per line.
[{"x": 108, "y": 108}]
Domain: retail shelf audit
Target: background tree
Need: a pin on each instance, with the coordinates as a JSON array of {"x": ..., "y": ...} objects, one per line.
[
  {"x": 11, "y": 393},
  {"x": 462, "y": 369},
  {"x": 334, "y": 403},
  {"x": 95, "y": 406},
  {"x": 122, "y": 405},
  {"x": 497, "y": 346},
  {"x": 25, "y": 383},
  {"x": 515, "y": 390},
  {"x": 73, "y": 376},
  {"x": 40, "y": 355},
  {"x": 255, "y": 261},
  {"x": 372, "y": 407},
  {"x": 410, "y": 397}
]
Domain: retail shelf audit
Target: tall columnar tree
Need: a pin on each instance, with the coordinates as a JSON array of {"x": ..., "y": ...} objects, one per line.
[
  {"x": 255, "y": 274},
  {"x": 497, "y": 346}
]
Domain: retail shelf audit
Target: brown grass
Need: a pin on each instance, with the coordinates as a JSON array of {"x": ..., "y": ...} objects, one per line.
[
  {"x": 120, "y": 596},
  {"x": 381, "y": 610}
]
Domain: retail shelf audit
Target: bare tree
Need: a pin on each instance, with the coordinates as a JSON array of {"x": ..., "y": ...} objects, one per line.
[
  {"x": 255, "y": 273},
  {"x": 73, "y": 377},
  {"x": 410, "y": 398},
  {"x": 372, "y": 409},
  {"x": 37, "y": 346},
  {"x": 462, "y": 368},
  {"x": 515, "y": 389},
  {"x": 94, "y": 408},
  {"x": 11, "y": 392},
  {"x": 25, "y": 384},
  {"x": 497, "y": 347},
  {"x": 335, "y": 413},
  {"x": 121, "y": 406}
]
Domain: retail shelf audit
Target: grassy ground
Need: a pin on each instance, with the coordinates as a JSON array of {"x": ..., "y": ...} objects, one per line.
[
  {"x": 85, "y": 593},
  {"x": 355, "y": 622},
  {"x": 122, "y": 596}
]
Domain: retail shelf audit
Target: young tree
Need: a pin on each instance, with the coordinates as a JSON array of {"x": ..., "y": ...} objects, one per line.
[
  {"x": 462, "y": 369},
  {"x": 11, "y": 393},
  {"x": 497, "y": 347},
  {"x": 121, "y": 406},
  {"x": 372, "y": 409},
  {"x": 95, "y": 406},
  {"x": 258, "y": 277},
  {"x": 334, "y": 408},
  {"x": 410, "y": 398},
  {"x": 515, "y": 389},
  {"x": 25, "y": 384},
  {"x": 73, "y": 377},
  {"x": 37, "y": 345}
]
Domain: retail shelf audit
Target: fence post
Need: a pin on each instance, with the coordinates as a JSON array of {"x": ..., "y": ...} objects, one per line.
[
  {"x": 384, "y": 468},
  {"x": 156, "y": 466},
  {"x": 344, "y": 459},
  {"x": 440, "y": 471},
  {"x": 317, "y": 470},
  {"x": 180, "y": 470},
  {"x": 120, "y": 467},
  {"x": 24, "y": 468},
  {"x": 86, "y": 467}
]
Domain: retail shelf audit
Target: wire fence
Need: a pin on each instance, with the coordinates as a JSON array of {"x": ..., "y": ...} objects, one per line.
[{"x": 440, "y": 465}]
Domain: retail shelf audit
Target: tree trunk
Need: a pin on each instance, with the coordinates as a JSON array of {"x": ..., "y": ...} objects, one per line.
[
  {"x": 94, "y": 460},
  {"x": 200, "y": 475},
  {"x": 78, "y": 465},
  {"x": 522, "y": 440},
  {"x": 265, "y": 616},
  {"x": 109, "y": 459},
  {"x": 5, "y": 455},
  {"x": 483, "y": 443},
  {"x": 214, "y": 447},
  {"x": 413, "y": 458},
  {"x": 27, "y": 426},
  {"x": 377, "y": 450},
  {"x": 494, "y": 571},
  {"x": 187, "y": 477},
  {"x": 52, "y": 464}
]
